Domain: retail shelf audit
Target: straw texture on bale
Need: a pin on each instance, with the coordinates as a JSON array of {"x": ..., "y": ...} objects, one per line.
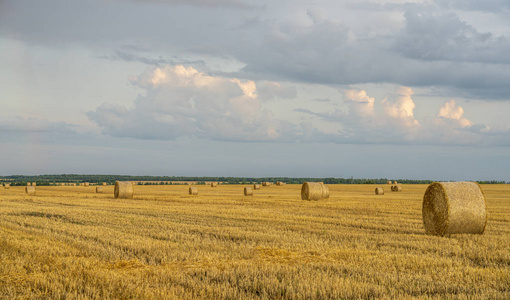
[
  {"x": 99, "y": 189},
  {"x": 214, "y": 184},
  {"x": 29, "y": 184},
  {"x": 256, "y": 186},
  {"x": 193, "y": 190},
  {"x": 314, "y": 191},
  {"x": 454, "y": 207},
  {"x": 123, "y": 189},
  {"x": 379, "y": 191},
  {"x": 34, "y": 183},
  {"x": 30, "y": 190},
  {"x": 248, "y": 191}
]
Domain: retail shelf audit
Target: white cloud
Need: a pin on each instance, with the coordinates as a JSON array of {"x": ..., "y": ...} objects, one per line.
[
  {"x": 400, "y": 107},
  {"x": 181, "y": 101},
  {"x": 451, "y": 111}
]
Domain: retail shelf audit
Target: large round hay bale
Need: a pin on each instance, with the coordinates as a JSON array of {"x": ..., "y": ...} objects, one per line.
[
  {"x": 398, "y": 188},
  {"x": 454, "y": 207},
  {"x": 86, "y": 184},
  {"x": 379, "y": 191},
  {"x": 30, "y": 190},
  {"x": 314, "y": 191},
  {"x": 123, "y": 189},
  {"x": 214, "y": 184},
  {"x": 99, "y": 189},
  {"x": 193, "y": 190},
  {"x": 256, "y": 186},
  {"x": 248, "y": 191},
  {"x": 7, "y": 186}
]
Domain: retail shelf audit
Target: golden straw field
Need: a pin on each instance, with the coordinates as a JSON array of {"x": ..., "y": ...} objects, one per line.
[{"x": 71, "y": 243}]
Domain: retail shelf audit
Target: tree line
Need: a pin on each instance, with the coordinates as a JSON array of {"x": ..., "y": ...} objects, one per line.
[{"x": 110, "y": 179}]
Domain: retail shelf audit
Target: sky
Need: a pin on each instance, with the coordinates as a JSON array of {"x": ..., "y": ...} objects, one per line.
[{"x": 370, "y": 89}]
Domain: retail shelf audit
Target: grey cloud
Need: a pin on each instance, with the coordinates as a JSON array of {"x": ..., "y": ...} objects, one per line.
[
  {"x": 498, "y": 6},
  {"x": 19, "y": 124},
  {"x": 131, "y": 57},
  {"x": 207, "y": 3},
  {"x": 443, "y": 36},
  {"x": 432, "y": 49}
]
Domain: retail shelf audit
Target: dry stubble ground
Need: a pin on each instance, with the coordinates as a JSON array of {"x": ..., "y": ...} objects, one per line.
[{"x": 71, "y": 243}]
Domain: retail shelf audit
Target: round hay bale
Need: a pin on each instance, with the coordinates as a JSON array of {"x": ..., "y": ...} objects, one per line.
[
  {"x": 454, "y": 207},
  {"x": 248, "y": 191},
  {"x": 86, "y": 184},
  {"x": 99, "y": 189},
  {"x": 123, "y": 189},
  {"x": 29, "y": 184},
  {"x": 7, "y": 186},
  {"x": 398, "y": 188},
  {"x": 104, "y": 183},
  {"x": 314, "y": 191},
  {"x": 256, "y": 186},
  {"x": 388, "y": 182},
  {"x": 395, "y": 182},
  {"x": 214, "y": 184},
  {"x": 379, "y": 191},
  {"x": 30, "y": 190},
  {"x": 34, "y": 183},
  {"x": 193, "y": 190}
]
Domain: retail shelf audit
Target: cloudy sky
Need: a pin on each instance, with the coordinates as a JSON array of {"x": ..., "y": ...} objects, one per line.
[{"x": 372, "y": 89}]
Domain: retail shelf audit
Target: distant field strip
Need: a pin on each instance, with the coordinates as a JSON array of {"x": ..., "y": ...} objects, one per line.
[{"x": 71, "y": 242}]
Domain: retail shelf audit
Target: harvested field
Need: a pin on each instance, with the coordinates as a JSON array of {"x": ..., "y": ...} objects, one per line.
[{"x": 70, "y": 242}]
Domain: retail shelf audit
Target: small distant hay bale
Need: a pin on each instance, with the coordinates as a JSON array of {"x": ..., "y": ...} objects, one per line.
[
  {"x": 74, "y": 184},
  {"x": 7, "y": 186},
  {"x": 454, "y": 207},
  {"x": 214, "y": 184},
  {"x": 104, "y": 183},
  {"x": 99, "y": 189},
  {"x": 280, "y": 183},
  {"x": 267, "y": 183},
  {"x": 123, "y": 189},
  {"x": 193, "y": 190},
  {"x": 86, "y": 184},
  {"x": 388, "y": 182},
  {"x": 395, "y": 182},
  {"x": 34, "y": 183},
  {"x": 396, "y": 188},
  {"x": 29, "y": 184},
  {"x": 30, "y": 190},
  {"x": 256, "y": 186},
  {"x": 314, "y": 191},
  {"x": 379, "y": 191},
  {"x": 248, "y": 191}
]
